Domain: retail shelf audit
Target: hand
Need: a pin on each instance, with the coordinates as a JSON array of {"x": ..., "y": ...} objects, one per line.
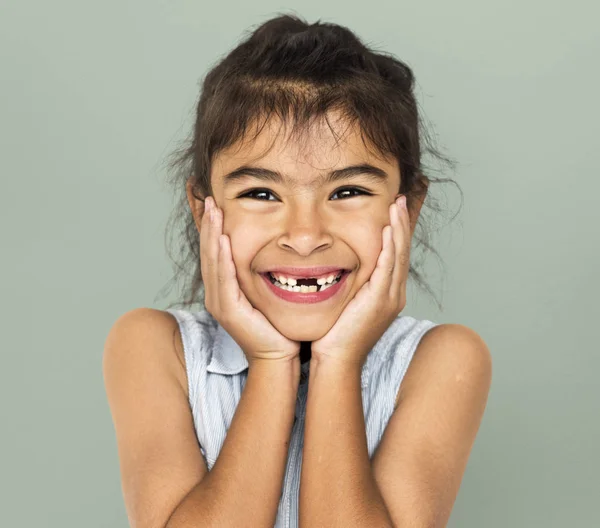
[
  {"x": 377, "y": 303},
  {"x": 226, "y": 302}
]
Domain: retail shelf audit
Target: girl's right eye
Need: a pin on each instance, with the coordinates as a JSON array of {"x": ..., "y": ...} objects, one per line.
[{"x": 255, "y": 192}]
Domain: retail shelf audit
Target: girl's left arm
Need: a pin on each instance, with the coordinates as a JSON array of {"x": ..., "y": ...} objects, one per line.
[
  {"x": 417, "y": 469},
  {"x": 337, "y": 486}
]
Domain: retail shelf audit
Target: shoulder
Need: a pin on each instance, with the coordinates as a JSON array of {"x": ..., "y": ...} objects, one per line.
[
  {"x": 143, "y": 331},
  {"x": 449, "y": 353}
]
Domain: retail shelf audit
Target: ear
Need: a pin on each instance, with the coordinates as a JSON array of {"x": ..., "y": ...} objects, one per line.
[{"x": 196, "y": 204}]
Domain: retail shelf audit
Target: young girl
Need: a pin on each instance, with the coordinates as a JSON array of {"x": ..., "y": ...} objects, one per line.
[{"x": 298, "y": 395}]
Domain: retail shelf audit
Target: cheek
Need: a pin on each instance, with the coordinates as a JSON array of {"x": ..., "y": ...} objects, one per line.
[
  {"x": 245, "y": 244},
  {"x": 240, "y": 247},
  {"x": 367, "y": 243}
]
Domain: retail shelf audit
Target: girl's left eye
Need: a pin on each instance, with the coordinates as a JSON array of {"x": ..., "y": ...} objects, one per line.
[
  {"x": 352, "y": 189},
  {"x": 254, "y": 193}
]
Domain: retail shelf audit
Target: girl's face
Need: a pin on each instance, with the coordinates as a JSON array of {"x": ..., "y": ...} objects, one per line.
[{"x": 301, "y": 219}]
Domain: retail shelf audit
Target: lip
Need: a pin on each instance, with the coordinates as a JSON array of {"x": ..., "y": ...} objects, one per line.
[
  {"x": 306, "y": 298},
  {"x": 300, "y": 273}
]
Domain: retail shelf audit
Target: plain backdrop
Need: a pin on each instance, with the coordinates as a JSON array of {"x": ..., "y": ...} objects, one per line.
[{"x": 95, "y": 95}]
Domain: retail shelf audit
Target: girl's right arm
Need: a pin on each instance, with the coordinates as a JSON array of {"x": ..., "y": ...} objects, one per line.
[{"x": 165, "y": 481}]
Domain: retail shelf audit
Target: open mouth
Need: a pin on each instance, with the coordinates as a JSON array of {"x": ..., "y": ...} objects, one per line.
[{"x": 307, "y": 284}]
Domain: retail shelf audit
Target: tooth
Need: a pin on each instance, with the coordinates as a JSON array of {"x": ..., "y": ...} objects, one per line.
[
  {"x": 312, "y": 289},
  {"x": 292, "y": 282},
  {"x": 324, "y": 287},
  {"x": 282, "y": 279},
  {"x": 296, "y": 288},
  {"x": 330, "y": 279},
  {"x": 321, "y": 281},
  {"x": 304, "y": 289}
]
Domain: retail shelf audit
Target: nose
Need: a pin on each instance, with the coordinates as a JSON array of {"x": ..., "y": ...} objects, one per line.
[{"x": 305, "y": 231}]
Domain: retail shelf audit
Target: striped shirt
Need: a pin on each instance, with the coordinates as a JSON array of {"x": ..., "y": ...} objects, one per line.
[{"x": 217, "y": 370}]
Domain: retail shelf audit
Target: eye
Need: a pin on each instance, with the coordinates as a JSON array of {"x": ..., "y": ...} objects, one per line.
[
  {"x": 345, "y": 192},
  {"x": 256, "y": 192},
  {"x": 351, "y": 190}
]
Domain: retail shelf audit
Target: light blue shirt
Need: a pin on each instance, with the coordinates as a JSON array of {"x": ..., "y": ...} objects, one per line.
[{"x": 217, "y": 370}]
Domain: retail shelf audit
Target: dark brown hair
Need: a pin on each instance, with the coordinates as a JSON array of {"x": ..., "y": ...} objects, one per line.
[{"x": 298, "y": 72}]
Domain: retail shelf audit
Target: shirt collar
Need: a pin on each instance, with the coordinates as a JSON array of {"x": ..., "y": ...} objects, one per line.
[{"x": 228, "y": 357}]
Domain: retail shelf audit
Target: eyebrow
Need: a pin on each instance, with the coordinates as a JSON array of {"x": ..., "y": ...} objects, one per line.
[{"x": 374, "y": 174}]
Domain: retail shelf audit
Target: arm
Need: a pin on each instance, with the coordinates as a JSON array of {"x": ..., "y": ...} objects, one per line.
[
  {"x": 165, "y": 481},
  {"x": 422, "y": 456},
  {"x": 337, "y": 485},
  {"x": 244, "y": 486},
  {"x": 421, "y": 459}
]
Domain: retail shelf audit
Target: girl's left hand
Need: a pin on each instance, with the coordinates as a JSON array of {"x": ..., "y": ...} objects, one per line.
[{"x": 377, "y": 303}]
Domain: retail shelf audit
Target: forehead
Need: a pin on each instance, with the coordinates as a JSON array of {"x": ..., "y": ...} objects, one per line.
[{"x": 301, "y": 157}]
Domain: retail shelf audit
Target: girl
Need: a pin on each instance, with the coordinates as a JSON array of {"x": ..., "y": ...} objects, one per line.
[{"x": 298, "y": 395}]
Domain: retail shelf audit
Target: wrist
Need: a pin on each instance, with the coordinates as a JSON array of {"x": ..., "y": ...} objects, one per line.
[
  {"x": 286, "y": 368},
  {"x": 342, "y": 360},
  {"x": 335, "y": 364}
]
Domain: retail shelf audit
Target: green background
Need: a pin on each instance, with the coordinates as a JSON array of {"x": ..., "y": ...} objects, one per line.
[{"x": 94, "y": 95}]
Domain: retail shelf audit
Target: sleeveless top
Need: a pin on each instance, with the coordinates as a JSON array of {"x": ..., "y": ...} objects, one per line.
[{"x": 217, "y": 370}]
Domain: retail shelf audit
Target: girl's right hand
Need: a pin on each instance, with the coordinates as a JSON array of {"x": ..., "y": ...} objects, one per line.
[{"x": 226, "y": 302}]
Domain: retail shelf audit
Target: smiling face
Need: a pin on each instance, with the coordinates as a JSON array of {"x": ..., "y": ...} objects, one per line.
[{"x": 304, "y": 220}]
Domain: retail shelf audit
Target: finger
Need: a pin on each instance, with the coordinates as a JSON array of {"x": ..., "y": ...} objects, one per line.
[
  {"x": 381, "y": 277},
  {"x": 403, "y": 256},
  {"x": 406, "y": 235},
  {"x": 229, "y": 290},
  {"x": 398, "y": 222},
  {"x": 209, "y": 252}
]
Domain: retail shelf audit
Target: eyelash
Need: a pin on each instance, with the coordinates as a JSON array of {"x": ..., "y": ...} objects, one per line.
[{"x": 253, "y": 191}]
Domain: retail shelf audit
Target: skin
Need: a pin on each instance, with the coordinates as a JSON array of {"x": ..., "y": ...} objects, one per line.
[{"x": 303, "y": 223}]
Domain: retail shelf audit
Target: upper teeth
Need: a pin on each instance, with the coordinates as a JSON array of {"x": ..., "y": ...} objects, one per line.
[{"x": 292, "y": 282}]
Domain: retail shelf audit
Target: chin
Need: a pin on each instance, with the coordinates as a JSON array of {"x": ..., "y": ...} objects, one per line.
[{"x": 304, "y": 334}]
